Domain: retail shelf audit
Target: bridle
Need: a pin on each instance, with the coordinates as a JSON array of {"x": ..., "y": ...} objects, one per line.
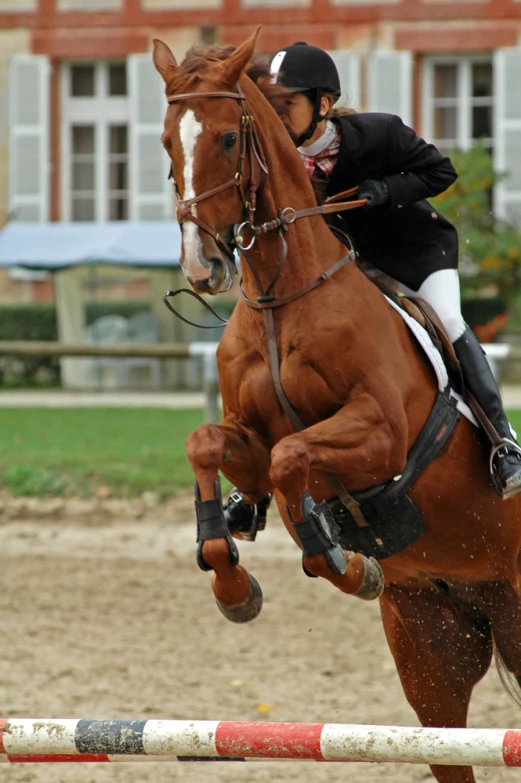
[{"x": 250, "y": 152}]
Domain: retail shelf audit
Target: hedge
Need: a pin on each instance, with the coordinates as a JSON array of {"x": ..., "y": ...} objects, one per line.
[{"x": 29, "y": 321}]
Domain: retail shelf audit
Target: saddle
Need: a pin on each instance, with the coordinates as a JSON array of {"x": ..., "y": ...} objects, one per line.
[
  {"x": 424, "y": 314},
  {"x": 394, "y": 522}
]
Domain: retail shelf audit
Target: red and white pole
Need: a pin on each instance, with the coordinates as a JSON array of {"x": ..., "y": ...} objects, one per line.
[{"x": 25, "y": 740}]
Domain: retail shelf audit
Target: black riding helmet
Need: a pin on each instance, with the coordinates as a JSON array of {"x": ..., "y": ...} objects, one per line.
[{"x": 305, "y": 68}]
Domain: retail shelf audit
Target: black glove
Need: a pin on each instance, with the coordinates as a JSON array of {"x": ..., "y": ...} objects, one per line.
[{"x": 375, "y": 191}]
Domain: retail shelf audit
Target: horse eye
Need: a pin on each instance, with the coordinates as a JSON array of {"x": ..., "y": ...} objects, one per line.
[{"x": 229, "y": 141}]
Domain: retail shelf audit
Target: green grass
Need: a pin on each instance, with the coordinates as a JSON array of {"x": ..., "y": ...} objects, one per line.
[
  {"x": 82, "y": 451},
  {"x": 87, "y": 451},
  {"x": 515, "y": 420}
]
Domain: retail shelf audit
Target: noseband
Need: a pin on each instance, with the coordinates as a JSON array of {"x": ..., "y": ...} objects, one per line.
[{"x": 250, "y": 151}]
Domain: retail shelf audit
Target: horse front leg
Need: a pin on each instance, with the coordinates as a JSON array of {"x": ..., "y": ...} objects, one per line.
[
  {"x": 242, "y": 457},
  {"x": 356, "y": 441}
]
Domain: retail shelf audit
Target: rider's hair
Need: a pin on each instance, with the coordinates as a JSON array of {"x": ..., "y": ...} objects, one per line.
[{"x": 340, "y": 111}]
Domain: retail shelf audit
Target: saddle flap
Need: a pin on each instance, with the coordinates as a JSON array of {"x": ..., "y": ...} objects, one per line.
[{"x": 425, "y": 315}]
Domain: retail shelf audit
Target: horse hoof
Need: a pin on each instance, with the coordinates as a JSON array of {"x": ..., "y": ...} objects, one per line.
[
  {"x": 373, "y": 583},
  {"x": 249, "y": 609}
]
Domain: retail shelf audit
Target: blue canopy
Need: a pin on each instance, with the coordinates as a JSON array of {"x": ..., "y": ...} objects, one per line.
[{"x": 53, "y": 246}]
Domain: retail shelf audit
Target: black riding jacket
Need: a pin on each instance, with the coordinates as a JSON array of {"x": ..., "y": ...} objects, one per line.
[{"x": 407, "y": 238}]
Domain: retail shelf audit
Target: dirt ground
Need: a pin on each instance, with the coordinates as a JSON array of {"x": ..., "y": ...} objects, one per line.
[{"x": 104, "y": 614}]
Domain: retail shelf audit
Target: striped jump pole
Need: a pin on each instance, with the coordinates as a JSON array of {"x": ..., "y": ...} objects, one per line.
[{"x": 25, "y": 740}]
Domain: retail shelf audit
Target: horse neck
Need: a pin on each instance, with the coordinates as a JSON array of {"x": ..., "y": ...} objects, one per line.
[{"x": 311, "y": 246}]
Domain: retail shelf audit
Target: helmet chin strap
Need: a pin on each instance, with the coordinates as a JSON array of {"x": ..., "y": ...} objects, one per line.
[{"x": 317, "y": 117}]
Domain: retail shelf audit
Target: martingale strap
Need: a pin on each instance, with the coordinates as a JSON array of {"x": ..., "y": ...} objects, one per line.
[{"x": 348, "y": 500}]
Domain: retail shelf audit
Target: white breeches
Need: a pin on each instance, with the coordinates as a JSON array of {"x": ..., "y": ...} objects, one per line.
[{"x": 441, "y": 290}]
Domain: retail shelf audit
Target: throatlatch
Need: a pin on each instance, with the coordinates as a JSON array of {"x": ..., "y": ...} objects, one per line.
[{"x": 211, "y": 524}]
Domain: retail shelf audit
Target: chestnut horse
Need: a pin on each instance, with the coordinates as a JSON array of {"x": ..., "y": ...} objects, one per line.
[{"x": 354, "y": 375}]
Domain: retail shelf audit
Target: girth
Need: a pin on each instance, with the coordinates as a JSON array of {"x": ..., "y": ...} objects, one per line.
[{"x": 394, "y": 522}]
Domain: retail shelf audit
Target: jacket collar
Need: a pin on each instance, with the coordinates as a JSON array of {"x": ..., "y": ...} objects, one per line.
[{"x": 346, "y": 173}]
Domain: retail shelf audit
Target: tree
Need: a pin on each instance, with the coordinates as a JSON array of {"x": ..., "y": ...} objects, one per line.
[{"x": 490, "y": 251}]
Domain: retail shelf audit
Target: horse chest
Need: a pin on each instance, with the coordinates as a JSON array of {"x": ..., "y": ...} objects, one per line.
[{"x": 306, "y": 389}]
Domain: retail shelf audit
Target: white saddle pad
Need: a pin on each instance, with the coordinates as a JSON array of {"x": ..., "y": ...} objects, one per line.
[{"x": 435, "y": 359}]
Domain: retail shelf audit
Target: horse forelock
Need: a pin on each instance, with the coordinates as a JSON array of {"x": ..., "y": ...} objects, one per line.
[
  {"x": 199, "y": 60},
  {"x": 196, "y": 65}
]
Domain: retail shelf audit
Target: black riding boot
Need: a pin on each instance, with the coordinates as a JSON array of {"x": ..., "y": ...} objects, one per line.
[
  {"x": 243, "y": 519},
  {"x": 505, "y": 459}
]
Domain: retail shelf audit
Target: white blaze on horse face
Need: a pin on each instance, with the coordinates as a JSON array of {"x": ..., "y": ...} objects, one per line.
[{"x": 189, "y": 130}]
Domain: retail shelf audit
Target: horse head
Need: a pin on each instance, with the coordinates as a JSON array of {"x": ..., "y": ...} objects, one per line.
[{"x": 217, "y": 164}]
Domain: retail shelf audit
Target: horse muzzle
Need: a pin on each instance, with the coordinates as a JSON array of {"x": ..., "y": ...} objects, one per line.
[{"x": 218, "y": 278}]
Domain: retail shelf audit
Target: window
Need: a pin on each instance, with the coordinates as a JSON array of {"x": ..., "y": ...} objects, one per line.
[
  {"x": 83, "y": 193},
  {"x": 95, "y": 141},
  {"x": 82, "y": 81},
  {"x": 208, "y": 34},
  {"x": 118, "y": 173},
  {"x": 117, "y": 79},
  {"x": 458, "y": 102}
]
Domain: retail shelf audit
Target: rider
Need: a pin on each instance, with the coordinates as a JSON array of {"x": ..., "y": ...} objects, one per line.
[{"x": 397, "y": 231}]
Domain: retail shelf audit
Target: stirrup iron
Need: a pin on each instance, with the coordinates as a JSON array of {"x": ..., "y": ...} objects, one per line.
[{"x": 510, "y": 447}]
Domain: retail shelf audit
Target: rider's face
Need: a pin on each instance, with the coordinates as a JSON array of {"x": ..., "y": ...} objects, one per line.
[{"x": 298, "y": 115}]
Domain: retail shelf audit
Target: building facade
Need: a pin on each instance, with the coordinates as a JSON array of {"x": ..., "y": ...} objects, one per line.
[{"x": 81, "y": 105}]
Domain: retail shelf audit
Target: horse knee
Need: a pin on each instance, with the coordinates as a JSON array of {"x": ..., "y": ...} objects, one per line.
[
  {"x": 205, "y": 447},
  {"x": 289, "y": 463}
]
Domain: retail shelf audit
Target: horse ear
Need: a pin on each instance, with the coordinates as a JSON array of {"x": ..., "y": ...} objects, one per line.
[
  {"x": 164, "y": 60},
  {"x": 235, "y": 64}
]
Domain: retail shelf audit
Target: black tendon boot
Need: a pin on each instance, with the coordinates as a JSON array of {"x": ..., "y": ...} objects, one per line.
[
  {"x": 243, "y": 519},
  {"x": 505, "y": 458}
]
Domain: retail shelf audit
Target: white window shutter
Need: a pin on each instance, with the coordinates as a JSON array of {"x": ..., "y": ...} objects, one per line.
[
  {"x": 29, "y": 145},
  {"x": 151, "y": 195},
  {"x": 507, "y": 133},
  {"x": 348, "y": 66},
  {"x": 389, "y": 87}
]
